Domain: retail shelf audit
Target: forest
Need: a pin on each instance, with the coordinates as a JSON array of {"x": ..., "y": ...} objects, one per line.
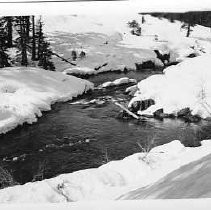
[
  {"x": 23, "y": 43},
  {"x": 189, "y": 19}
]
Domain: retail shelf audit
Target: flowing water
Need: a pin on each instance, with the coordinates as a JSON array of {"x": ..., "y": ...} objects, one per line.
[{"x": 87, "y": 133}]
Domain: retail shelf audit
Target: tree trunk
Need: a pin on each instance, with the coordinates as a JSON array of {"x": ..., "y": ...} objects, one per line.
[
  {"x": 188, "y": 30},
  {"x": 39, "y": 41},
  {"x": 24, "y": 61},
  {"x": 27, "y": 27},
  {"x": 9, "y": 31},
  {"x": 33, "y": 40}
]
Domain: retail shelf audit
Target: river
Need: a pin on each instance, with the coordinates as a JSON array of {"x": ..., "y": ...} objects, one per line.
[{"x": 82, "y": 134}]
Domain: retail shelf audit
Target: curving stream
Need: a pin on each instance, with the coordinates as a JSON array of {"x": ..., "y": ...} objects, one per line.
[{"x": 87, "y": 133}]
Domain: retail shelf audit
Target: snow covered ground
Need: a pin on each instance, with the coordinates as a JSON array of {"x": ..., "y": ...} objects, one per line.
[
  {"x": 25, "y": 92},
  {"x": 184, "y": 85},
  {"x": 109, "y": 46},
  {"x": 106, "y": 39},
  {"x": 112, "y": 180}
]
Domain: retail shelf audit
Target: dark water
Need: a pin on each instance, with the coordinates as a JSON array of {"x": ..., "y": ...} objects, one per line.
[{"x": 78, "y": 136}]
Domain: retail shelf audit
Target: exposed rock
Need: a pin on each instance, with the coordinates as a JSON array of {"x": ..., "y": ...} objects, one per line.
[
  {"x": 145, "y": 104},
  {"x": 159, "y": 114},
  {"x": 186, "y": 115},
  {"x": 145, "y": 65},
  {"x": 192, "y": 55},
  {"x": 141, "y": 105},
  {"x": 135, "y": 106},
  {"x": 172, "y": 63},
  {"x": 183, "y": 112}
]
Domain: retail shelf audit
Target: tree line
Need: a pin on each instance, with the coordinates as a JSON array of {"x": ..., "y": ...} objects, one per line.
[
  {"x": 25, "y": 33},
  {"x": 189, "y": 19}
]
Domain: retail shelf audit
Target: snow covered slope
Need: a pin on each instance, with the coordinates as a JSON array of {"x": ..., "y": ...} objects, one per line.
[
  {"x": 111, "y": 180},
  {"x": 25, "y": 92},
  {"x": 106, "y": 39},
  {"x": 184, "y": 85},
  {"x": 189, "y": 181}
]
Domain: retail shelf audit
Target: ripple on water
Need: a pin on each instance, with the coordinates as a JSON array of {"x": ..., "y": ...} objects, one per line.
[{"x": 79, "y": 135}]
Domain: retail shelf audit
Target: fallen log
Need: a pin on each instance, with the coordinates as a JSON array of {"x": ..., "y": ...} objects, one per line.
[
  {"x": 125, "y": 109},
  {"x": 63, "y": 59},
  {"x": 53, "y": 53}
]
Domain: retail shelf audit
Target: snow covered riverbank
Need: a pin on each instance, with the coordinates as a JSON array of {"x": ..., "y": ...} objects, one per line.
[
  {"x": 186, "y": 85},
  {"x": 110, "y": 46},
  {"x": 111, "y": 180},
  {"x": 25, "y": 92}
]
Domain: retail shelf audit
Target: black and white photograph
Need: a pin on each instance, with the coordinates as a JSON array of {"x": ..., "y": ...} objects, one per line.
[{"x": 105, "y": 101}]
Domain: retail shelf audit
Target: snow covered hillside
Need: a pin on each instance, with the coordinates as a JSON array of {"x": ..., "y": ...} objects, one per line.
[
  {"x": 25, "y": 92},
  {"x": 113, "y": 179},
  {"x": 186, "y": 85},
  {"x": 109, "y": 45}
]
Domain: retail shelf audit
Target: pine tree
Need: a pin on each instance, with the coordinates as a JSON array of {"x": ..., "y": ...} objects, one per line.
[
  {"x": 133, "y": 24},
  {"x": 143, "y": 19},
  {"x": 7, "y": 23},
  {"x": 44, "y": 51},
  {"x": 9, "y": 28},
  {"x": 33, "y": 39},
  {"x": 23, "y": 39},
  {"x": 3, "y": 45}
]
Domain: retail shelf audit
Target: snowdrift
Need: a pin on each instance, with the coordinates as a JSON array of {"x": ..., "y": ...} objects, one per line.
[
  {"x": 110, "y": 181},
  {"x": 25, "y": 92},
  {"x": 189, "y": 181},
  {"x": 184, "y": 85}
]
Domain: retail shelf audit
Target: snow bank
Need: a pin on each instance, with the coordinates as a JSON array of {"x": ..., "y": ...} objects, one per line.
[
  {"x": 25, "y": 92},
  {"x": 79, "y": 71},
  {"x": 111, "y": 180},
  {"x": 184, "y": 85},
  {"x": 121, "y": 81},
  {"x": 176, "y": 185}
]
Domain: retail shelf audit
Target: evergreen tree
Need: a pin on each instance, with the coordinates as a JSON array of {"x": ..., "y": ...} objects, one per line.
[
  {"x": 7, "y": 24},
  {"x": 143, "y": 19},
  {"x": 190, "y": 22},
  {"x": 23, "y": 39},
  {"x": 3, "y": 45},
  {"x": 44, "y": 51},
  {"x": 9, "y": 28},
  {"x": 133, "y": 24},
  {"x": 33, "y": 39},
  {"x": 136, "y": 28}
]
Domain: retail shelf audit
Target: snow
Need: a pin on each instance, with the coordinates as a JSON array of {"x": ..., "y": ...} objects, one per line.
[
  {"x": 107, "y": 39},
  {"x": 182, "y": 204},
  {"x": 79, "y": 71},
  {"x": 120, "y": 81},
  {"x": 26, "y": 92},
  {"x": 170, "y": 38},
  {"x": 176, "y": 185},
  {"x": 184, "y": 85},
  {"x": 110, "y": 181}
]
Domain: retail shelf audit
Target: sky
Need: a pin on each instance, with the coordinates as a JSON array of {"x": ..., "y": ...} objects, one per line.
[{"x": 102, "y": 7}]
